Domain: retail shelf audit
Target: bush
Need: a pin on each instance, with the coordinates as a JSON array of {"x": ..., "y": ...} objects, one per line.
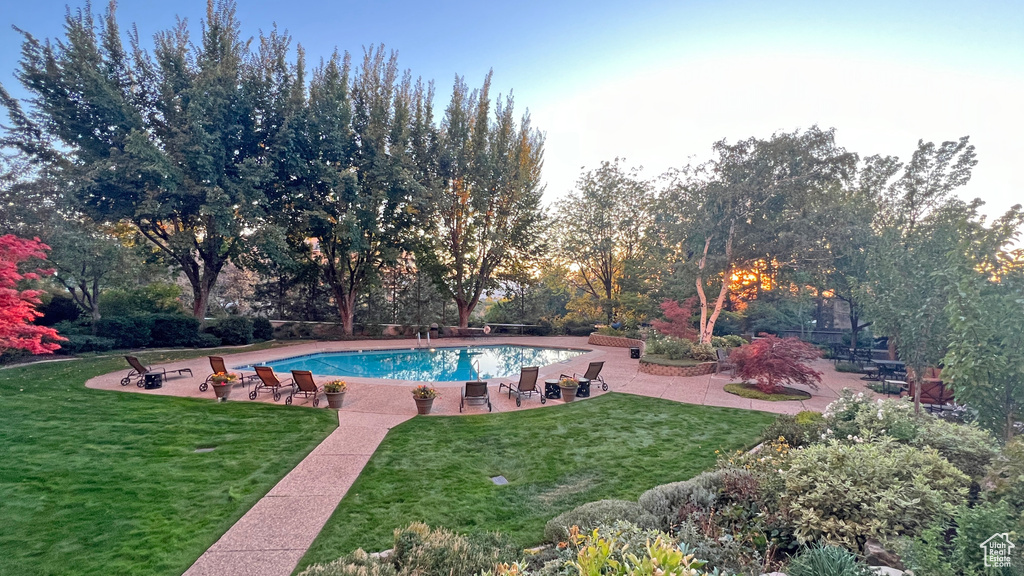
[
  {"x": 593, "y": 514},
  {"x": 703, "y": 353},
  {"x": 734, "y": 341},
  {"x": 233, "y": 331},
  {"x": 67, "y": 328},
  {"x": 59, "y": 309},
  {"x": 800, "y": 430},
  {"x": 358, "y": 563},
  {"x": 13, "y": 356},
  {"x": 669, "y": 346},
  {"x": 77, "y": 344},
  {"x": 1005, "y": 477},
  {"x": 848, "y": 493},
  {"x": 126, "y": 331},
  {"x": 204, "y": 340},
  {"x": 155, "y": 298},
  {"x": 854, "y": 416},
  {"x": 848, "y": 367},
  {"x": 664, "y": 503},
  {"x": 967, "y": 447},
  {"x": 827, "y": 561},
  {"x": 262, "y": 329},
  {"x": 420, "y": 550},
  {"x": 169, "y": 330}
]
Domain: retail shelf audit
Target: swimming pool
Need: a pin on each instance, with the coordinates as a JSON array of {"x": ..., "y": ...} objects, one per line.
[{"x": 427, "y": 364}]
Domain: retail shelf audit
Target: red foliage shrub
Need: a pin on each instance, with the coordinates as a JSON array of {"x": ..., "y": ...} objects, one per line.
[
  {"x": 678, "y": 319},
  {"x": 773, "y": 362},
  {"x": 18, "y": 307}
]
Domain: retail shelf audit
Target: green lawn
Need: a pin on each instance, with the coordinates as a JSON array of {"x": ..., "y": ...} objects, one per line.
[
  {"x": 437, "y": 469},
  {"x": 107, "y": 483}
]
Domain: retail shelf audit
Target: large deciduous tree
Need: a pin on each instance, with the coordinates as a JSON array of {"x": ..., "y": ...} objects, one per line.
[
  {"x": 486, "y": 193},
  {"x": 174, "y": 141},
  {"x": 601, "y": 231},
  {"x": 748, "y": 204}
]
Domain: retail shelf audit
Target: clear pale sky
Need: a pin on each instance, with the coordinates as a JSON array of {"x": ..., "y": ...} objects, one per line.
[{"x": 657, "y": 82}]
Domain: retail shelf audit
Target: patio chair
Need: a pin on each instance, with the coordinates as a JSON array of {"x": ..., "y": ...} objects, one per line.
[
  {"x": 724, "y": 363},
  {"x": 218, "y": 367},
  {"x": 475, "y": 392},
  {"x": 139, "y": 371},
  {"x": 593, "y": 374},
  {"x": 934, "y": 394},
  {"x": 269, "y": 382},
  {"x": 305, "y": 384},
  {"x": 527, "y": 385}
]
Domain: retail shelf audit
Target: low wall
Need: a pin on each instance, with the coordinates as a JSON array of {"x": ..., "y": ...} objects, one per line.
[
  {"x": 662, "y": 370},
  {"x": 614, "y": 341}
]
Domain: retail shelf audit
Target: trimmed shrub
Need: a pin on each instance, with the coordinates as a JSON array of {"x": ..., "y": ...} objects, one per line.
[
  {"x": 848, "y": 493},
  {"x": 126, "y": 331},
  {"x": 967, "y": 447},
  {"x": 665, "y": 502},
  {"x": 68, "y": 328},
  {"x": 827, "y": 561},
  {"x": 262, "y": 329},
  {"x": 205, "y": 340},
  {"x": 173, "y": 330},
  {"x": 593, "y": 514},
  {"x": 233, "y": 331},
  {"x": 703, "y": 353},
  {"x": 77, "y": 344}
]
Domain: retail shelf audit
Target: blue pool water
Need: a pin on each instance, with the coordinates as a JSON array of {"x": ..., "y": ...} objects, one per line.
[{"x": 427, "y": 364}]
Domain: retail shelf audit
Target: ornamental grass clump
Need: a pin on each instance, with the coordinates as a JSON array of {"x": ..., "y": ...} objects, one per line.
[{"x": 774, "y": 362}]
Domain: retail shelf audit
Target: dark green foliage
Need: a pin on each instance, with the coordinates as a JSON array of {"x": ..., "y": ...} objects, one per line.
[
  {"x": 69, "y": 328},
  {"x": 967, "y": 447},
  {"x": 76, "y": 344},
  {"x": 58, "y": 309},
  {"x": 205, "y": 340},
  {"x": 826, "y": 560},
  {"x": 594, "y": 514},
  {"x": 169, "y": 330},
  {"x": 126, "y": 331},
  {"x": 262, "y": 329},
  {"x": 153, "y": 298},
  {"x": 233, "y": 331},
  {"x": 800, "y": 430}
]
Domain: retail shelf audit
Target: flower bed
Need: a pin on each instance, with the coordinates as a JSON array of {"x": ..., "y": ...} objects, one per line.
[{"x": 614, "y": 341}]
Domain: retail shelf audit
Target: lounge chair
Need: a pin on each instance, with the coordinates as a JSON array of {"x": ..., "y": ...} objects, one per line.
[
  {"x": 593, "y": 374},
  {"x": 304, "y": 383},
  {"x": 139, "y": 371},
  {"x": 218, "y": 367},
  {"x": 269, "y": 382},
  {"x": 527, "y": 385},
  {"x": 475, "y": 392},
  {"x": 724, "y": 363}
]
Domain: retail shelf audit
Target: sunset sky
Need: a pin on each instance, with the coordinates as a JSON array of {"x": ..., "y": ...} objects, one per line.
[{"x": 658, "y": 82}]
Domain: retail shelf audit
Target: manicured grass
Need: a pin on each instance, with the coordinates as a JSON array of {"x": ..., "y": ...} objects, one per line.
[
  {"x": 748, "y": 390},
  {"x": 437, "y": 469},
  {"x": 662, "y": 360},
  {"x": 98, "y": 482}
]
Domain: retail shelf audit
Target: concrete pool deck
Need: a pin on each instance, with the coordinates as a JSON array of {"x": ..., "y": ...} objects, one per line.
[{"x": 274, "y": 534}]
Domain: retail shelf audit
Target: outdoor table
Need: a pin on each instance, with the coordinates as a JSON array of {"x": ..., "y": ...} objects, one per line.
[
  {"x": 583, "y": 391},
  {"x": 890, "y": 387},
  {"x": 551, "y": 390},
  {"x": 888, "y": 368}
]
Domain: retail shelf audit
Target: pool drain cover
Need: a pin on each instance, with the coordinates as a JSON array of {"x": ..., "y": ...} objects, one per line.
[
  {"x": 206, "y": 449},
  {"x": 499, "y": 480}
]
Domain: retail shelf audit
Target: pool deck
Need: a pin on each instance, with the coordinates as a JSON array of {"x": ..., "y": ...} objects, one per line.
[{"x": 273, "y": 535}]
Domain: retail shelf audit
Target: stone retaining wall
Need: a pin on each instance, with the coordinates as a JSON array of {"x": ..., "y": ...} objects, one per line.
[
  {"x": 662, "y": 370},
  {"x": 614, "y": 341}
]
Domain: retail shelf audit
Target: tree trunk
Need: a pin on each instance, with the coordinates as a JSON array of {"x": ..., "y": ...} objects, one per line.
[
  {"x": 464, "y": 311},
  {"x": 346, "y": 300},
  {"x": 708, "y": 329}
]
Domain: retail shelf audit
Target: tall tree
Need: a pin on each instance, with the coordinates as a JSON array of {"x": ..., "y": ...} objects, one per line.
[
  {"x": 174, "y": 142},
  {"x": 745, "y": 205},
  {"x": 486, "y": 197},
  {"x": 602, "y": 231}
]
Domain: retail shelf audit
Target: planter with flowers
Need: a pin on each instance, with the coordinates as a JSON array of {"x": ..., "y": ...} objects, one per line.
[
  {"x": 221, "y": 383},
  {"x": 335, "y": 392},
  {"x": 424, "y": 396},
  {"x": 568, "y": 386}
]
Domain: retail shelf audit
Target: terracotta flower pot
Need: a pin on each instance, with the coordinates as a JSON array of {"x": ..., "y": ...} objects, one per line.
[
  {"x": 221, "y": 390},
  {"x": 335, "y": 399},
  {"x": 423, "y": 405},
  {"x": 568, "y": 393}
]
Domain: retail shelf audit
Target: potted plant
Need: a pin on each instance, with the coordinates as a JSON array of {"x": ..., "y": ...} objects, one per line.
[
  {"x": 424, "y": 396},
  {"x": 568, "y": 386},
  {"x": 221, "y": 384},
  {"x": 335, "y": 392}
]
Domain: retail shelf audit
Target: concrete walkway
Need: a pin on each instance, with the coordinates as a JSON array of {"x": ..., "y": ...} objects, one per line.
[{"x": 271, "y": 538}]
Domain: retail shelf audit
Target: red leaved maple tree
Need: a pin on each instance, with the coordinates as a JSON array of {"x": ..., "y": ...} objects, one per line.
[
  {"x": 678, "y": 319},
  {"x": 18, "y": 307},
  {"x": 773, "y": 362}
]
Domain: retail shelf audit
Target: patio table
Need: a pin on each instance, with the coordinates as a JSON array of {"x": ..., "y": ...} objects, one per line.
[{"x": 888, "y": 368}]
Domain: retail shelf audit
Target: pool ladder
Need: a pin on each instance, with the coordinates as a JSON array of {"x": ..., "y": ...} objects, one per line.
[{"x": 476, "y": 366}]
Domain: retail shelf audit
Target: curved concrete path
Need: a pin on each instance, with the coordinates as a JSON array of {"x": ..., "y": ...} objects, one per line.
[{"x": 271, "y": 538}]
